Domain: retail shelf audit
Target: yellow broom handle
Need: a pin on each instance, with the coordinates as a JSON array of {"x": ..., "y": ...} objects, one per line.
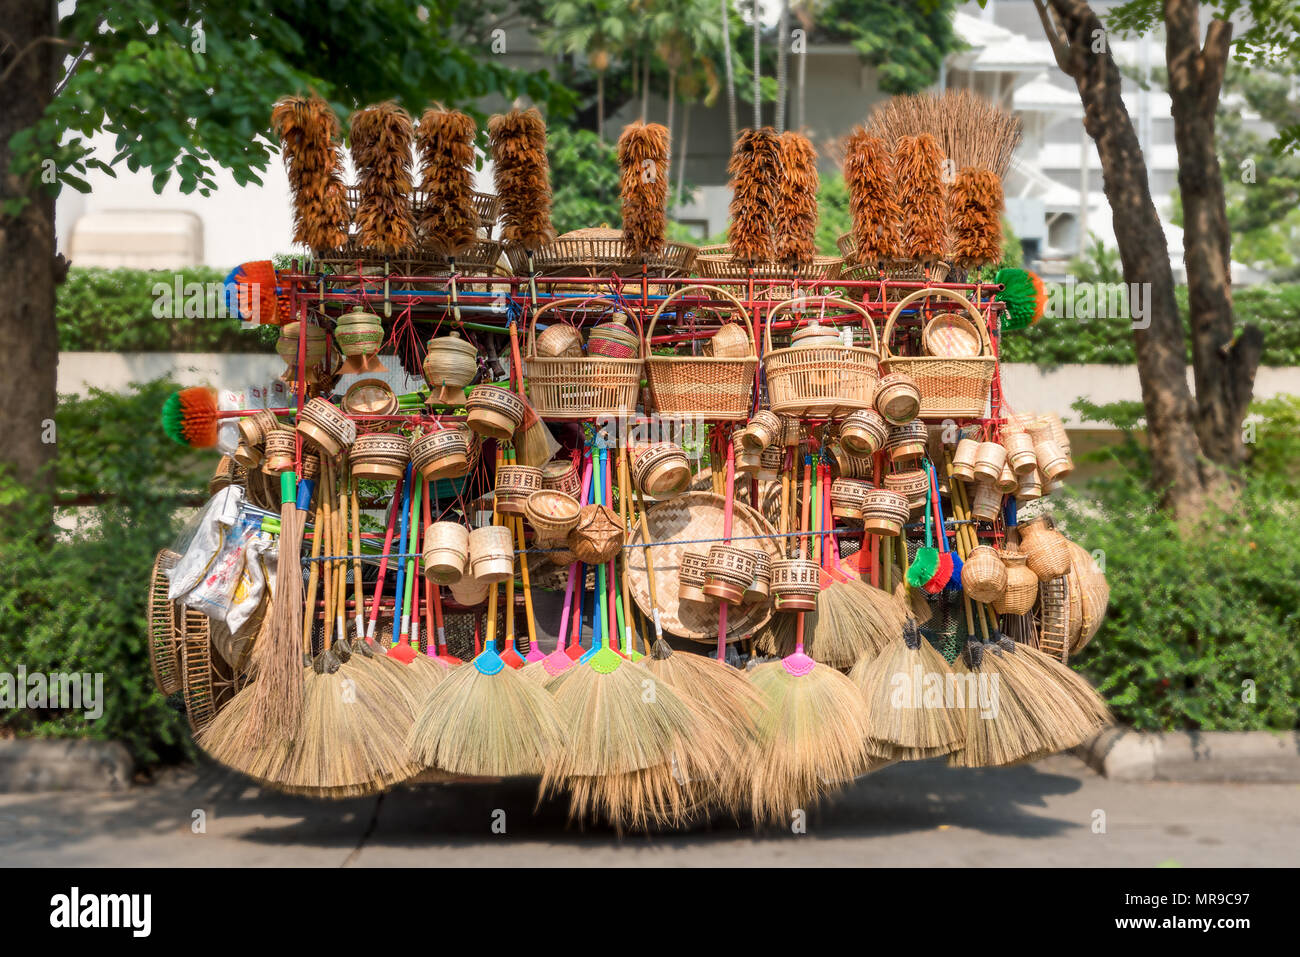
[
  {"x": 356, "y": 560},
  {"x": 313, "y": 579},
  {"x": 528, "y": 592}
]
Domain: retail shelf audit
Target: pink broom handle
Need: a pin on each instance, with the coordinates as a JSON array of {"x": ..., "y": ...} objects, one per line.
[
  {"x": 728, "y": 506},
  {"x": 573, "y": 568},
  {"x": 383, "y": 561}
]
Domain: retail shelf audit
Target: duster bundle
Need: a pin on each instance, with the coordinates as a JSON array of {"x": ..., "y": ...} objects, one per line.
[
  {"x": 755, "y": 168},
  {"x": 522, "y": 176},
  {"x": 308, "y": 132},
  {"x": 873, "y": 202},
  {"x": 971, "y": 130},
  {"x": 975, "y": 207},
  {"x": 448, "y": 221},
  {"x": 381, "y": 151},
  {"x": 796, "y": 204},
  {"x": 643, "y": 183},
  {"x": 918, "y": 166}
]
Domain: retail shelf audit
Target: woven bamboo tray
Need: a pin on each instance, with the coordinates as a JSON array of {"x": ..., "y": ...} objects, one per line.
[
  {"x": 689, "y": 517},
  {"x": 717, "y": 262},
  {"x": 898, "y": 269},
  {"x": 209, "y": 681},
  {"x": 164, "y": 644},
  {"x": 1089, "y": 596},
  {"x": 950, "y": 388},
  {"x": 1054, "y": 618},
  {"x": 600, "y": 251}
]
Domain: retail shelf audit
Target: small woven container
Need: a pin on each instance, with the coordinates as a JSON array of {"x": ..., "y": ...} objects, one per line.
[
  {"x": 494, "y": 413},
  {"x": 358, "y": 333},
  {"x": 1056, "y": 428},
  {"x": 1021, "y": 590},
  {"x": 691, "y": 576},
  {"x": 747, "y": 462},
  {"x": 514, "y": 485},
  {"x": 564, "y": 388},
  {"x": 898, "y": 398},
  {"x": 597, "y": 536},
  {"x": 791, "y": 429},
  {"x": 561, "y": 475},
  {"x": 989, "y": 460},
  {"x": 661, "y": 470},
  {"x": 552, "y": 514},
  {"x": 469, "y": 591},
  {"x": 729, "y": 573},
  {"x": 848, "y": 465},
  {"x": 371, "y": 397},
  {"x": 1052, "y": 460},
  {"x": 760, "y": 586},
  {"x": 442, "y": 454},
  {"x": 796, "y": 583},
  {"x": 249, "y": 456},
  {"x": 450, "y": 364},
  {"x": 280, "y": 449},
  {"x": 849, "y": 497},
  {"x": 1020, "y": 451},
  {"x": 885, "y": 511},
  {"x": 950, "y": 387},
  {"x": 983, "y": 576},
  {"x": 1047, "y": 552},
  {"x": 762, "y": 430},
  {"x": 986, "y": 503},
  {"x": 491, "y": 554},
  {"x": 824, "y": 379},
  {"x": 446, "y": 552},
  {"x": 1008, "y": 483},
  {"x": 326, "y": 426},
  {"x": 381, "y": 455},
  {"x": 287, "y": 344},
  {"x": 770, "y": 461},
  {"x": 913, "y": 484},
  {"x": 1030, "y": 486},
  {"x": 907, "y": 443},
  {"x": 864, "y": 432},
  {"x": 559, "y": 341},
  {"x": 613, "y": 340},
  {"x": 963, "y": 460},
  {"x": 717, "y": 386},
  {"x": 253, "y": 429}
]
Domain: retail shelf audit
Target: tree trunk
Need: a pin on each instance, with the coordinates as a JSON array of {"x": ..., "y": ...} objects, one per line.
[
  {"x": 600, "y": 104},
  {"x": 732, "y": 119},
  {"x": 803, "y": 77},
  {"x": 645, "y": 88},
  {"x": 758, "y": 87},
  {"x": 782, "y": 64},
  {"x": 672, "y": 102},
  {"x": 681, "y": 152},
  {"x": 31, "y": 270},
  {"x": 1224, "y": 364},
  {"x": 1160, "y": 347}
]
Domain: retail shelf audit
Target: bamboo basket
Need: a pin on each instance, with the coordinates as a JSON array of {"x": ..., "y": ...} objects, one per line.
[
  {"x": 708, "y": 386},
  {"x": 950, "y": 388},
  {"x": 1046, "y": 550},
  {"x": 446, "y": 552},
  {"x": 210, "y": 681},
  {"x": 983, "y": 575},
  {"x": 164, "y": 648},
  {"x": 600, "y": 251},
  {"x": 1054, "y": 618},
  {"x": 1021, "y": 592},
  {"x": 821, "y": 381},
  {"x": 570, "y": 387}
]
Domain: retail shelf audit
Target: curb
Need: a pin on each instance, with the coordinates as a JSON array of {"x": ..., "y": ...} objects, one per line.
[
  {"x": 1244, "y": 757},
  {"x": 59, "y": 764}
]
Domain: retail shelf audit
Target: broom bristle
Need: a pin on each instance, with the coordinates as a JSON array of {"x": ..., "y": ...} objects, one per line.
[
  {"x": 754, "y": 170},
  {"x": 382, "y": 137},
  {"x": 251, "y": 292},
  {"x": 975, "y": 207},
  {"x": 522, "y": 175},
  {"x": 852, "y": 619},
  {"x": 796, "y": 205},
  {"x": 486, "y": 725},
  {"x": 970, "y": 129},
  {"x": 907, "y": 722},
  {"x": 918, "y": 168},
  {"x": 873, "y": 202},
  {"x": 812, "y": 736},
  {"x": 448, "y": 221},
  {"x": 190, "y": 417},
  {"x": 643, "y": 184},
  {"x": 1075, "y": 687},
  {"x": 309, "y": 132}
]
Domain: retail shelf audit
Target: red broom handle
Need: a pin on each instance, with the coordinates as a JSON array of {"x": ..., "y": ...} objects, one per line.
[
  {"x": 383, "y": 561},
  {"x": 728, "y": 506}
]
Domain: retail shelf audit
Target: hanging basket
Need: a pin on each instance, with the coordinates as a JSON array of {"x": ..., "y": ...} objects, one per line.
[
  {"x": 710, "y": 386},
  {"x": 579, "y": 387},
  {"x": 821, "y": 380},
  {"x": 950, "y": 387}
]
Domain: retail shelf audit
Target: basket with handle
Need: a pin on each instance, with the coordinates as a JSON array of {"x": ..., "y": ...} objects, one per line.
[
  {"x": 579, "y": 387},
  {"x": 821, "y": 380},
  {"x": 951, "y": 387},
  {"x": 709, "y": 386}
]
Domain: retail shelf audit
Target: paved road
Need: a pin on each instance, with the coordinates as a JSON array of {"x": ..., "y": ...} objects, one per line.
[{"x": 915, "y": 814}]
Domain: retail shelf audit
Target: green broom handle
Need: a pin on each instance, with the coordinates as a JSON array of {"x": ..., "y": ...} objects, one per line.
[{"x": 598, "y": 487}]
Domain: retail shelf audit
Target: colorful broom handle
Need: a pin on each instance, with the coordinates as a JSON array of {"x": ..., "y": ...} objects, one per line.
[
  {"x": 383, "y": 560},
  {"x": 803, "y": 506},
  {"x": 432, "y": 605},
  {"x": 601, "y": 594},
  {"x": 408, "y": 564},
  {"x": 404, "y": 518},
  {"x": 573, "y": 567},
  {"x": 729, "y": 504}
]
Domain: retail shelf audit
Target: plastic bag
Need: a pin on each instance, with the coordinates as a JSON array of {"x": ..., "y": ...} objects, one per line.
[
  {"x": 214, "y": 594},
  {"x": 201, "y": 539}
]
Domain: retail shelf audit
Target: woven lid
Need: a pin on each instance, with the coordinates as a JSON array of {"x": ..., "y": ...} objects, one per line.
[
  {"x": 814, "y": 330},
  {"x": 452, "y": 342}
]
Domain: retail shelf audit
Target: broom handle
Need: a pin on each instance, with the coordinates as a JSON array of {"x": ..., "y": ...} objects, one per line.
[
  {"x": 313, "y": 579},
  {"x": 408, "y": 564},
  {"x": 490, "y": 642},
  {"x": 528, "y": 590},
  {"x": 881, "y": 566},
  {"x": 649, "y": 567},
  {"x": 600, "y": 569},
  {"x": 432, "y": 617},
  {"x": 573, "y": 567},
  {"x": 327, "y": 571},
  {"x": 615, "y": 601},
  {"x": 383, "y": 559},
  {"x": 804, "y": 505},
  {"x": 341, "y": 532},
  {"x": 358, "y": 593},
  {"x": 403, "y": 518},
  {"x": 625, "y": 509},
  {"x": 729, "y": 505},
  {"x": 787, "y": 463}
]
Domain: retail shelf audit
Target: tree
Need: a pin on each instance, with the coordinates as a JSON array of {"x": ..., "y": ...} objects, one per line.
[
  {"x": 596, "y": 29},
  {"x": 1195, "y": 441},
  {"x": 183, "y": 87},
  {"x": 905, "y": 42}
]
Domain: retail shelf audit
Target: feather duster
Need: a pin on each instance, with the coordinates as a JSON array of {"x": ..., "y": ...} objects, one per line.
[
  {"x": 918, "y": 168},
  {"x": 448, "y": 221},
  {"x": 308, "y": 131},
  {"x": 381, "y": 151},
  {"x": 643, "y": 183},
  {"x": 873, "y": 199},
  {"x": 975, "y": 208},
  {"x": 755, "y": 168},
  {"x": 796, "y": 203},
  {"x": 522, "y": 175}
]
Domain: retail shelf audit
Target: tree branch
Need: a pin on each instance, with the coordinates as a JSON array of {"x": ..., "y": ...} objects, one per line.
[
  {"x": 1059, "y": 49},
  {"x": 27, "y": 49},
  {"x": 1214, "y": 60}
]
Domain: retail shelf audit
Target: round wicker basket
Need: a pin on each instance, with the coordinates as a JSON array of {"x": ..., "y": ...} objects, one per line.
[{"x": 446, "y": 552}]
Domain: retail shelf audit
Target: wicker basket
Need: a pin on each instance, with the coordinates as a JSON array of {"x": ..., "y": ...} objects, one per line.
[
  {"x": 1089, "y": 591},
  {"x": 570, "y": 387},
  {"x": 600, "y": 251},
  {"x": 1054, "y": 617},
  {"x": 821, "y": 381},
  {"x": 552, "y": 514},
  {"x": 164, "y": 645},
  {"x": 708, "y": 386},
  {"x": 912, "y": 484},
  {"x": 1046, "y": 550},
  {"x": 1021, "y": 591},
  {"x": 983, "y": 575},
  {"x": 950, "y": 388},
  {"x": 446, "y": 551}
]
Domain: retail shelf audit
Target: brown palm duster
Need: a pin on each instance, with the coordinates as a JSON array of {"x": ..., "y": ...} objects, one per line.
[
  {"x": 755, "y": 170},
  {"x": 309, "y": 132},
  {"x": 643, "y": 183},
  {"x": 522, "y": 175},
  {"x": 873, "y": 200},
  {"x": 918, "y": 169},
  {"x": 382, "y": 137},
  {"x": 796, "y": 202},
  {"x": 448, "y": 221},
  {"x": 974, "y": 209}
]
